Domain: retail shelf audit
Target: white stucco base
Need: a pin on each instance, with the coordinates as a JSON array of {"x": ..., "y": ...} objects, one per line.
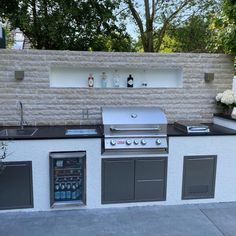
[{"x": 37, "y": 151}]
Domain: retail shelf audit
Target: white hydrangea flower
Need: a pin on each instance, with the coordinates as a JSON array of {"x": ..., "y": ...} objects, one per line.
[
  {"x": 228, "y": 92},
  {"x": 227, "y": 99},
  {"x": 219, "y": 96}
]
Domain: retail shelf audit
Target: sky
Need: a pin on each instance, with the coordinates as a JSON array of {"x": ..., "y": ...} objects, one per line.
[
  {"x": 132, "y": 30},
  {"x": 130, "y": 25}
]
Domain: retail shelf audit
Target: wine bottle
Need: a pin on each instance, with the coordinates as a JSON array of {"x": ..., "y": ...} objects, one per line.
[{"x": 130, "y": 82}]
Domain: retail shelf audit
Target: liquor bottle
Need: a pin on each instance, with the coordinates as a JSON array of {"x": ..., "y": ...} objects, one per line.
[
  {"x": 90, "y": 81},
  {"x": 104, "y": 79},
  {"x": 116, "y": 79},
  {"x": 130, "y": 82}
]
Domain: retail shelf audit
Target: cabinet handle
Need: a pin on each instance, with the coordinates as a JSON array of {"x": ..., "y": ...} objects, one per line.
[
  {"x": 202, "y": 159},
  {"x": 15, "y": 165},
  {"x": 136, "y": 129},
  {"x": 150, "y": 180}
]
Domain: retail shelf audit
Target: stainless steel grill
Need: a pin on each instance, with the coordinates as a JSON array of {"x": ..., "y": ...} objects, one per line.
[{"x": 134, "y": 129}]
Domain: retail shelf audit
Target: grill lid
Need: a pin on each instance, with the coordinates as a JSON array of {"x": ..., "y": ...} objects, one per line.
[
  {"x": 134, "y": 128},
  {"x": 133, "y": 116}
]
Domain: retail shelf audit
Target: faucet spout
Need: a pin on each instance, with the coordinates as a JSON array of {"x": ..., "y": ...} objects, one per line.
[{"x": 20, "y": 105}]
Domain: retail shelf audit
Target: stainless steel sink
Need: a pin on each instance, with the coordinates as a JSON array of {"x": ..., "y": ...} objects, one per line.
[
  {"x": 15, "y": 132},
  {"x": 81, "y": 132}
]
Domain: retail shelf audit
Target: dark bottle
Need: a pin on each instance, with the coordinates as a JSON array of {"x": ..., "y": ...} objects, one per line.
[{"x": 130, "y": 82}]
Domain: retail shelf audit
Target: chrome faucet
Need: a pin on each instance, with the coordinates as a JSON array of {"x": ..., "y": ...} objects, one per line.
[{"x": 20, "y": 107}]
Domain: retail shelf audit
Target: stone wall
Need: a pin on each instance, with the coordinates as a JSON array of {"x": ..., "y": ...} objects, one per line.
[{"x": 45, "y": 105}]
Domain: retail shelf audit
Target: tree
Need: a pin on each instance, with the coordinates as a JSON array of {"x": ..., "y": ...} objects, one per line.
[
  {"x": 193, "y": 35},
  {"x": 70, "y": 24},
  {"x": 159, "y": 14},
  {"x": 229, "y": 38},
  {"x": 225, "y": 27}
]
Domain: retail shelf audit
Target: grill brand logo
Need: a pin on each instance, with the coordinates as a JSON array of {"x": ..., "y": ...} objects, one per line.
[{"x": 120, "y": 142}]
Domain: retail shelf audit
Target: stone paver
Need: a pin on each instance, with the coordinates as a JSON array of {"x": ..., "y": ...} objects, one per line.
[
  {"x": 223, "y": 218},
  {"x": 187, "y": 220}
]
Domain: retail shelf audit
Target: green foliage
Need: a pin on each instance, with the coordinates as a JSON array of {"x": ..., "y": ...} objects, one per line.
[
  {"x": 224, "y": 27},
  {"x": 169, "y": 44},
  {"x": 192, "y": 36},
  {"x": 9, "y": 38},
  {"x": 229, "y": 8},
  {"x": 70, "y": 24},
  {"x": 138, "y": 47},
  {"x": 229, "y": 39}
]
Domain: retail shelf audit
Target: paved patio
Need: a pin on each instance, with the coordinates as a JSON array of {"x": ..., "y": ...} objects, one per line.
[{"x": 187, "y": 220}]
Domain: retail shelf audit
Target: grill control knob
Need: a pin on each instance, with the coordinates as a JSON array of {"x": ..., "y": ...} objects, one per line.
[
  {"x": 113, "y": 142},
  {"x": 143, "y": 142},
  {"x": 158, "y": 141},
  {"x": 128, "y": 142},
  {"x": 136, "y": 142}
]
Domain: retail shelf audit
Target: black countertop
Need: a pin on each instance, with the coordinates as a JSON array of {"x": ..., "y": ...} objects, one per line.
[
  {"x": 228, "y": 117},
  {"x": 214, "y": 130},
  {"x": 59, "y": 132}
]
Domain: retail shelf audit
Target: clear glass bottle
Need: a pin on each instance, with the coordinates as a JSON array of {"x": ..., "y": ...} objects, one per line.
[
  {"x": 116, "y": 79},
  {"x": 104, "y": 79}
]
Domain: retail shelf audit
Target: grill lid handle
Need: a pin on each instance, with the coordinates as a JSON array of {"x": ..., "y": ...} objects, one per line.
[{"x": 136, "y": 129}]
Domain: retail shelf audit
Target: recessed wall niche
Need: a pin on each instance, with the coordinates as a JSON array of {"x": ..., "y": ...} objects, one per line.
[{"x": 116, "y": 78}]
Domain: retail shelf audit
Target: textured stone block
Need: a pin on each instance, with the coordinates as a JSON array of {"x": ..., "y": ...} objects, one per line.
[{"x": 64, "y": 106}]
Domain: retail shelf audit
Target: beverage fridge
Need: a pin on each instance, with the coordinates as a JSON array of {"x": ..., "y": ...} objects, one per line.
[{"x": 67, "y": 178}]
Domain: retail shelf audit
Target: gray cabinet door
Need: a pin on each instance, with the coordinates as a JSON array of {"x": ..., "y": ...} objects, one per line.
[
  {"x": 150, "y": 179},
  {"x": 16, "y": 189},
  {"x": 199, "y": 177},
  {"x": 117, "y": 180}
]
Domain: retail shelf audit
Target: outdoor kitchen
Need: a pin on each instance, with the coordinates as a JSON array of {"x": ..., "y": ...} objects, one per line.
[{"x": 86, "y": 130}]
